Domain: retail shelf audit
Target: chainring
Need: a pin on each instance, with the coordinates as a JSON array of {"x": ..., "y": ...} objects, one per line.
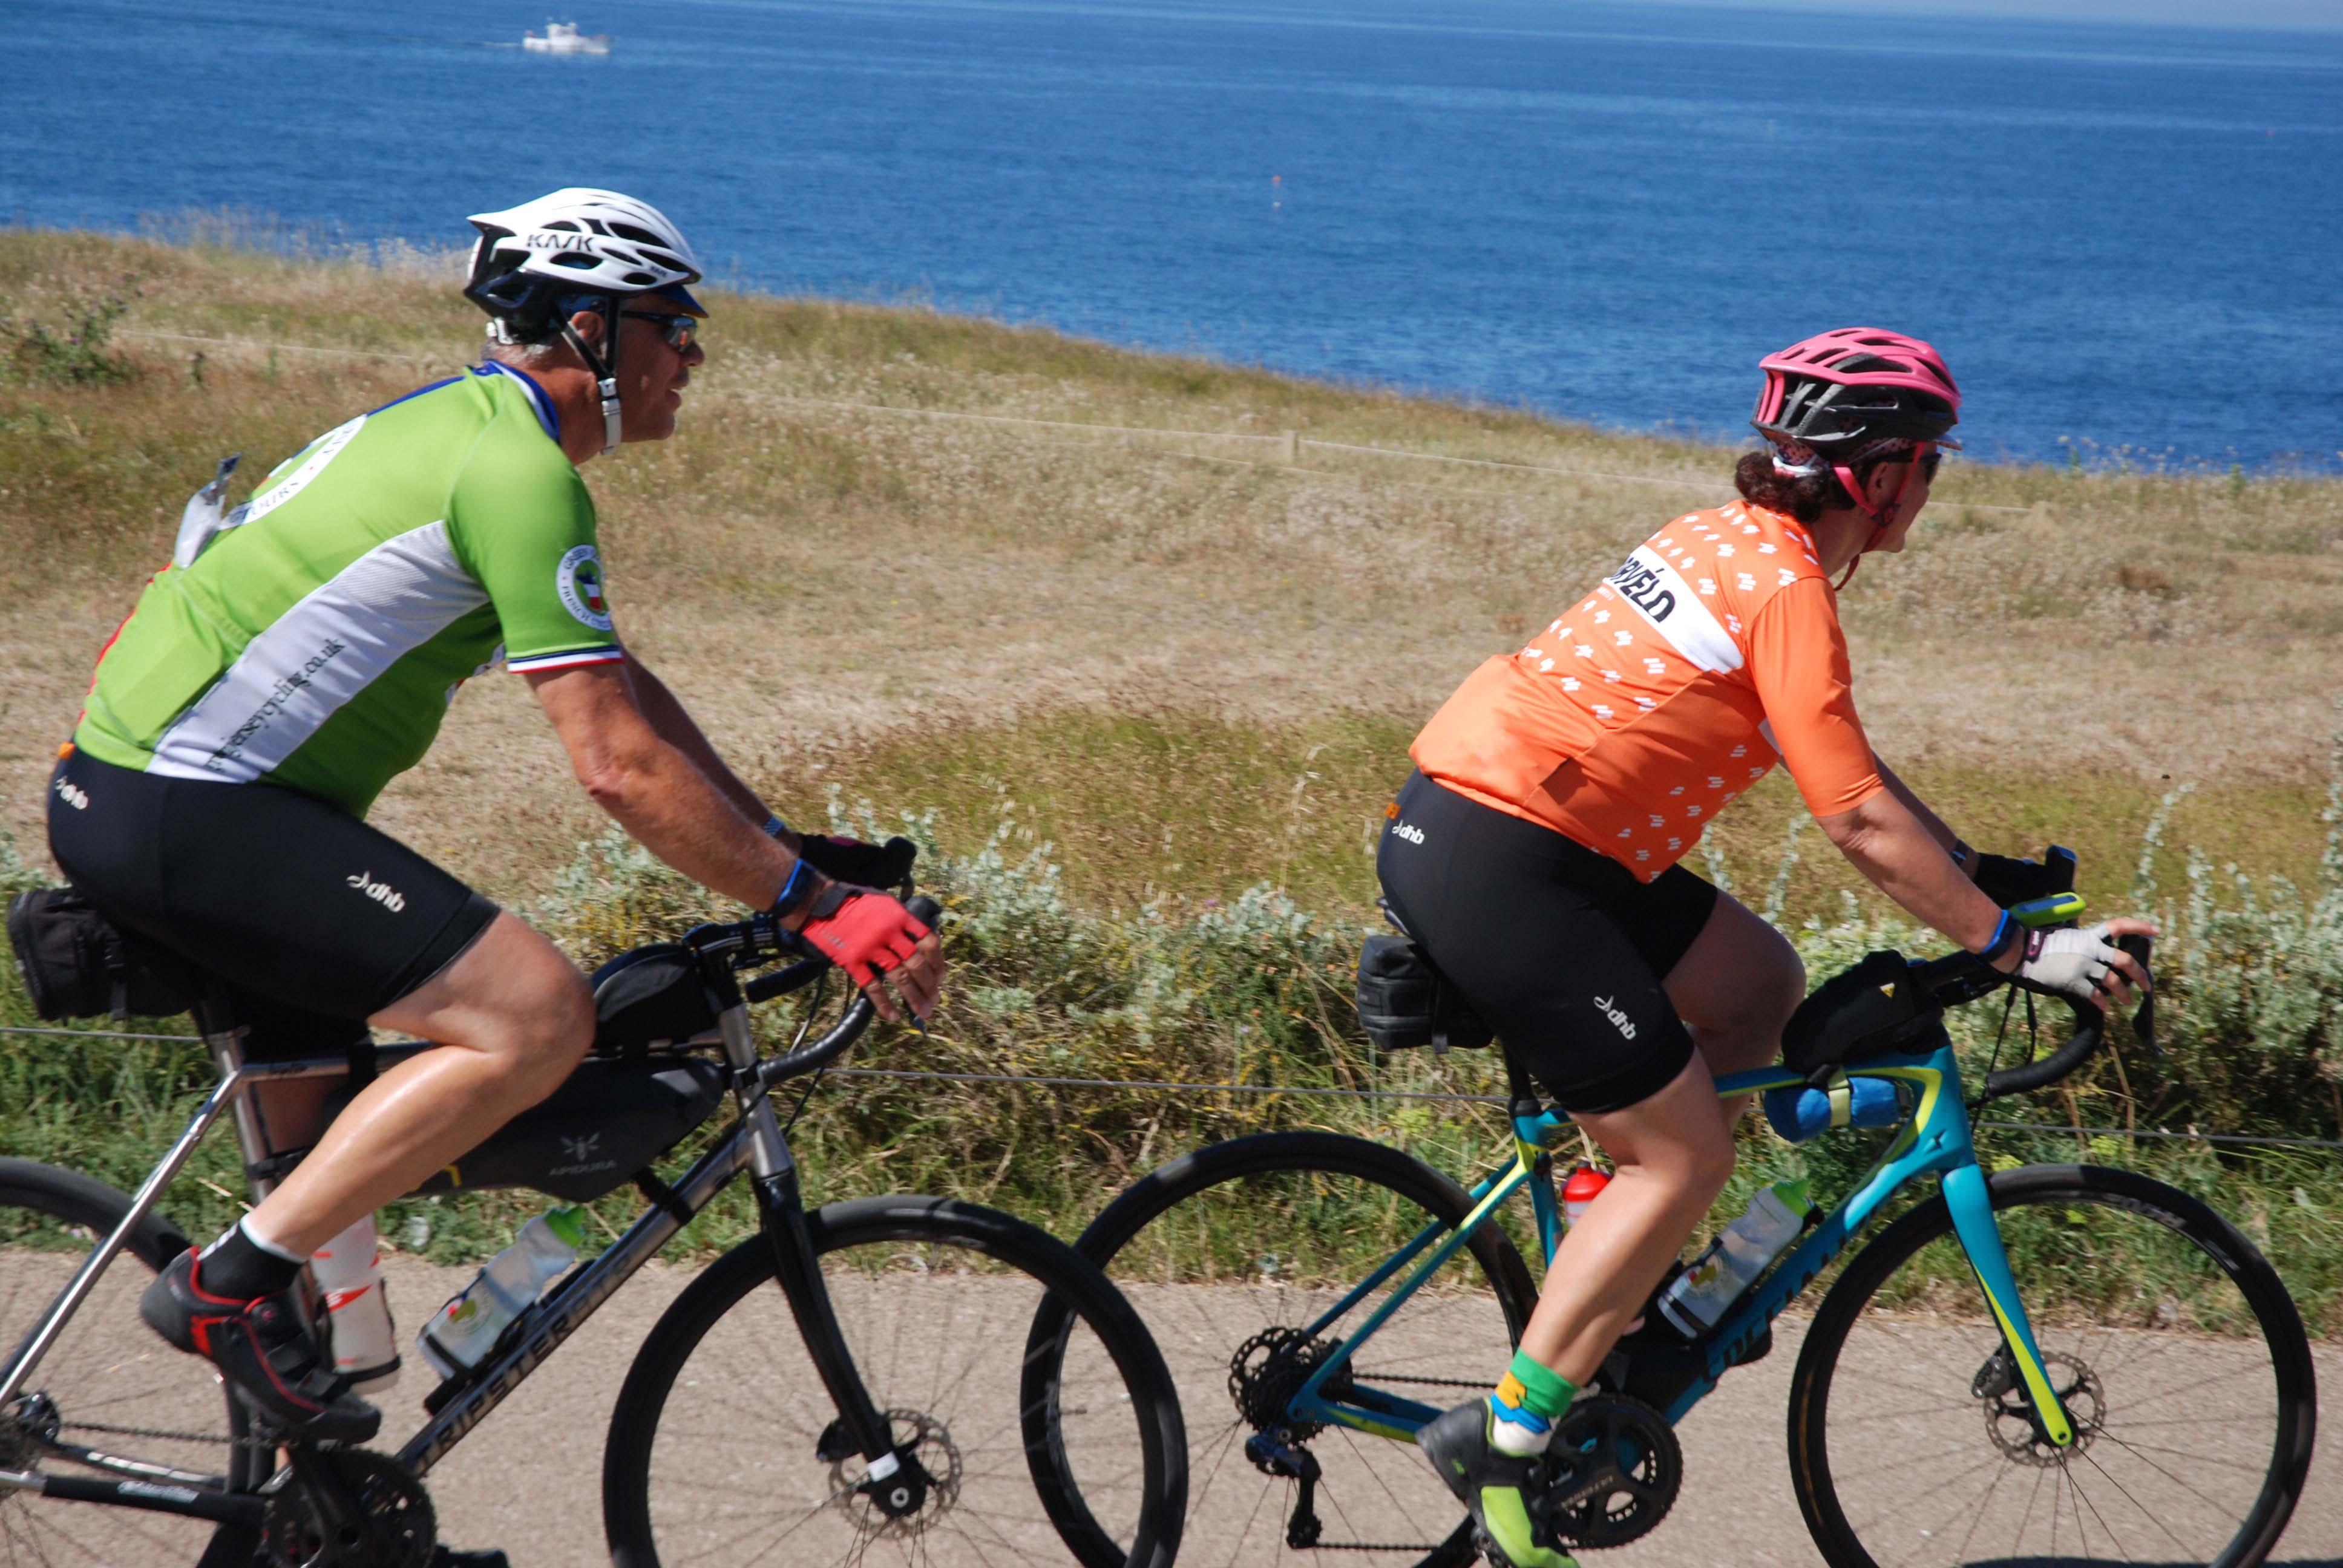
[
  {"x": 1617, "y": 1469},
  {"x": 396, "y": 1528}
]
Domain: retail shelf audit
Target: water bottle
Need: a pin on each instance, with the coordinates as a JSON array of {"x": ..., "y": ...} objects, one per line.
[
  {"x": 461, "y": 1334},
  {"x": 1717, "y": 1279},
  {"x": 1584, "y": 1184},
  {"x": 349, "y": 1273},
  {"x": 1799, "y": 1114}
]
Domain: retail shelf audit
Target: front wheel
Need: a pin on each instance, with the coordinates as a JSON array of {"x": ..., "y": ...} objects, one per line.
[
  {"x": 724, "y": 1449},
  {"x": 2175, "y": 1347}
]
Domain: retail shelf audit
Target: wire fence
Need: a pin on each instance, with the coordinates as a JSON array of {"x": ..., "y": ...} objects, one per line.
[
  {"x": 1306, "y": 1092},
  {"x": 1287, "y": 445}
]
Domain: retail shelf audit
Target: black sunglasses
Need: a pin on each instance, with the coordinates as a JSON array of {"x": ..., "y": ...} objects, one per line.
[
  {"x": 680, "y": 331},
  {"x": 1929, "y": 465}
]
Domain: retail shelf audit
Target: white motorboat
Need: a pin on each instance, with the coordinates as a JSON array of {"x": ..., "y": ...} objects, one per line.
[{"x": 563, "y": 38}]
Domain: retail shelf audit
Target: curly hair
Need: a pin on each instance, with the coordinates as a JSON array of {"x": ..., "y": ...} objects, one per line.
[{"x": 1805, "y": 499}]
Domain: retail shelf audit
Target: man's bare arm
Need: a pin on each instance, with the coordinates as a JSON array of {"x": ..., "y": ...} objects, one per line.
[
  {"x": 655, "y": 789},
  {"x": 673, "y": 723}
]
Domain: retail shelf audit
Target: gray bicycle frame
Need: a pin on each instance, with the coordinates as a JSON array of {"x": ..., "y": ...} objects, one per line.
[{"x": 755, "y": 1143}]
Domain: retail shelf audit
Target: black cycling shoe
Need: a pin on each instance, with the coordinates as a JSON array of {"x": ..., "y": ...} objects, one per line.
[
  {"x": 1496, "y": 1485},
  {"x": 264, "y": 1351},
  {"x": 446, "y": 1556}
]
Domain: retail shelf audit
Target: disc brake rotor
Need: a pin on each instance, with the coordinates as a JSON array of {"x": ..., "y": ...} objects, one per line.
[
  {"x": 923, "y": 1441},
  {"x": 2009, "y": 1419}
]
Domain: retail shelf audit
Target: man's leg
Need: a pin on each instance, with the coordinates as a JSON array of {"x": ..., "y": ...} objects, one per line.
[{"x": 512, "y": 1018}]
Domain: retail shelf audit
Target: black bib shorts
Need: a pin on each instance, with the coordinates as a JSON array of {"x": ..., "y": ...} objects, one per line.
[
  {"x": 1559, "y": 949},
  {"x": 279, "y": 893}
]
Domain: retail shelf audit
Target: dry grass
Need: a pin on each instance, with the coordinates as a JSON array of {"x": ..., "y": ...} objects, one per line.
[{"x": 828, "y": 586}]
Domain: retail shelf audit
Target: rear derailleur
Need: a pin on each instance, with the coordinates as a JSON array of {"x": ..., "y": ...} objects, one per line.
[{"x": 1278, "y": 1452}]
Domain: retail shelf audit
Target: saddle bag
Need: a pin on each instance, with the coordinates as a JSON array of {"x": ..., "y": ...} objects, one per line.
[
  {"x": 77, "y": 963},
  {"x": 1405, "y": 1004},
  {"x": 1871, "y": 1010}
]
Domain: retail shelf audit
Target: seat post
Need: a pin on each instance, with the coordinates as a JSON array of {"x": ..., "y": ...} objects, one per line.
[{"x": 223, "y": 1035}]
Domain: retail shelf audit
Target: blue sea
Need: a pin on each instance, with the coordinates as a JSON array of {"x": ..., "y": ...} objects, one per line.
[{"x": 2125, "y": 239}]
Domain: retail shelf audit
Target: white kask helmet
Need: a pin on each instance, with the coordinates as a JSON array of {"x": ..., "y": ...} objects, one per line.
[{"x": 578, "y": 241}]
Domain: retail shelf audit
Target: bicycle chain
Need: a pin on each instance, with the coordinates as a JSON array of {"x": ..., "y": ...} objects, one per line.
[{"x": 168, "y": 1436}]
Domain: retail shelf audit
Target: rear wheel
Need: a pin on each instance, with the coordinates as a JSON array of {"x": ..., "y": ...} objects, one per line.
[
  {"x": 2175, "y": 1350},
  {"x": 724, "y": 1449},
  {"x": 1235, "y": 1255},
  {"x": 109, "y": 1401}
]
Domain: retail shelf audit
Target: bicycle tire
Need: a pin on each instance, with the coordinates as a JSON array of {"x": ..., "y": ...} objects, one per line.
[
  {"x": 913, "y": 1235},
  {"x": 2098, "y": 1386},
  {"x": 1265, "y": 1163},
  {"x": 94, "y": 1348}
]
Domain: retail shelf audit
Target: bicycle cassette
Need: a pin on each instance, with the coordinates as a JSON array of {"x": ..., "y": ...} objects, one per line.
[
  {"x": 392, "y": 1526},
  {"x": 1616, "y": 1468}
]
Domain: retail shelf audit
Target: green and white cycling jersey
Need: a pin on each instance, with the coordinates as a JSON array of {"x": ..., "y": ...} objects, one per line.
[{"x": 317, "y": 644}]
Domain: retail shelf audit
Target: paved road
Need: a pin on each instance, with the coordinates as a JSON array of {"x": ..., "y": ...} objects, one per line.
[{"x": 527, "y": 1479}]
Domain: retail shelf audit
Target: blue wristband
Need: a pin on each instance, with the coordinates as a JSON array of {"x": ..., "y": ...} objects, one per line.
[
  {"x": 2005, "y": 932},
  {"x": 794, "y": 891}
]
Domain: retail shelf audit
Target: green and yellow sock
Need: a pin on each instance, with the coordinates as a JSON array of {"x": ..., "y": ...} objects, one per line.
[{"x": 1527, "y": 1400}]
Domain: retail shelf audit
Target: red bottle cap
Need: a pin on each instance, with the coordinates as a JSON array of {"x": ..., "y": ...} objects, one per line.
[{"x": 1584, "y": 1184}]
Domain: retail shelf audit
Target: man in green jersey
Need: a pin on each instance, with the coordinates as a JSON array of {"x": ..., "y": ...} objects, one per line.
[{"x": 279, "y": 673}]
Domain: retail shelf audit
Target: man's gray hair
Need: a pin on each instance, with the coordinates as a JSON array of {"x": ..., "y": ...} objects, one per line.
[{"x": 505, "y": 351}]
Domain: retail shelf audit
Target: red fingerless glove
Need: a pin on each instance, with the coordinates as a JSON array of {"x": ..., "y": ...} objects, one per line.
[{"x": 861, "y": 930}]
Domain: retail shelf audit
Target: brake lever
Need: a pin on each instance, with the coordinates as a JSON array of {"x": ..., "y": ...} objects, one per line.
[{"x": 2143, "y": 1021}]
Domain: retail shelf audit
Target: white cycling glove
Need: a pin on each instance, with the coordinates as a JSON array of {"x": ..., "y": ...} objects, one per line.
[{"x": 2067, "y": 964}]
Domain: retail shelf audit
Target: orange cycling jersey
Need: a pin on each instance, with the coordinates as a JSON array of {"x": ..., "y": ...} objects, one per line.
[{"x": 1628, "y": 723}]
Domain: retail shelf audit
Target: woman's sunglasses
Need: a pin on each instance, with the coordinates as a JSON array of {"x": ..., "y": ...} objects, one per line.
[{"x": 680, "y": 331}]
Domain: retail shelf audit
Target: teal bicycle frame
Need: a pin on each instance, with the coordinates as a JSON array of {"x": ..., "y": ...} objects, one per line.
[{"x": 1934, "y": 1140}]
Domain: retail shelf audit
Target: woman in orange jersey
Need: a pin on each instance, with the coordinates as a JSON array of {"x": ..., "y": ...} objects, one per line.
[{"x": 1535, "y": 852}]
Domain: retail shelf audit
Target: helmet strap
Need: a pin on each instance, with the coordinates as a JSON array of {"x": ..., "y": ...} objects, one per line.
[
  {"x": 1879, "y": 520},
  {"x": 605, "y": 371}
]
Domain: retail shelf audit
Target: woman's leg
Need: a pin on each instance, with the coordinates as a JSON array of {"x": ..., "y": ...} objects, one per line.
[
  {"x": 1735, "y": 987},
  {"x": 1673, "y": 1151}
]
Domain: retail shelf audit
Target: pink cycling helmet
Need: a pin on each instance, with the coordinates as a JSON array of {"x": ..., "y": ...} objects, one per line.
[{"x": 1847, "y": 392}]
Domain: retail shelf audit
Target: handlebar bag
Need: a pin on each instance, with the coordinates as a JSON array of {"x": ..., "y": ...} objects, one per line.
[
  {"x": 1405, "y": 1004},
  {"x": 77, "y": 963},
  {"x": 654, "y": 995},
  {"x": 1870, "y": 1010}
]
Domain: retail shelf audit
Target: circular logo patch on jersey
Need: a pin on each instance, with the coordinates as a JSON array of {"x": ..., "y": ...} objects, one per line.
[{"x": 579, "y": 581}]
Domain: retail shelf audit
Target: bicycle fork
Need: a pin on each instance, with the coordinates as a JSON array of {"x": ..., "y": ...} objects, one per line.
[
  {"x": 1980, "y": 1237},
  {"x": 897, "y": 1489}
]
